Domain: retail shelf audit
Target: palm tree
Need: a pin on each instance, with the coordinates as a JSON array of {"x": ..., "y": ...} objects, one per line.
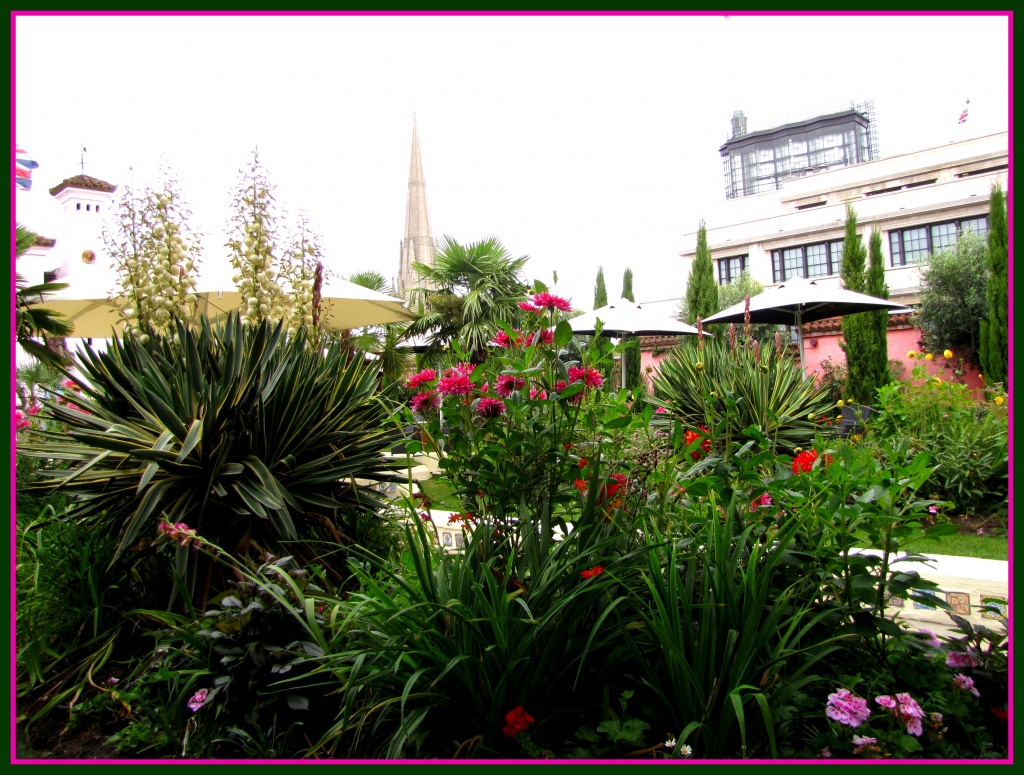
[
  {"x": 384, "y": 341},
  {"x": 33, "y": 323},
  {"x": 467, "y": 292}
]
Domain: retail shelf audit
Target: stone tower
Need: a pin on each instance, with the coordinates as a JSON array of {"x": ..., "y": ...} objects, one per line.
[{"x": 418, "y": 244}]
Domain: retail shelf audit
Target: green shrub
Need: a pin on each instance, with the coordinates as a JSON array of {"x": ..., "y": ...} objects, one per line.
[
  {"x": 727, "y": 389},
  {"x": 967, "y": 439},
  {"x": 252, "y": 438}
]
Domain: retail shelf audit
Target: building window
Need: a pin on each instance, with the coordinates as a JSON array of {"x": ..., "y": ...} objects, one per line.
[
  {"x": 730, "y": 269},
  {"x": 88, "y": 208},
  {"x": 819, "y": 259},
  {"x": 911, "y": 246},
  {"x": 97, "y": 208},
  {"x": 78, "y": 205}
]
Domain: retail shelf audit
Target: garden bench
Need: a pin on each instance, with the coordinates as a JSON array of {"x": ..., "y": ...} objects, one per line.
[{"x": 853, "y": 419}]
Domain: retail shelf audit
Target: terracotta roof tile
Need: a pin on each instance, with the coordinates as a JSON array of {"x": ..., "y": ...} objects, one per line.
[
  {"x": 835, "y": 325},
  {"x": 83, "y": 181}
]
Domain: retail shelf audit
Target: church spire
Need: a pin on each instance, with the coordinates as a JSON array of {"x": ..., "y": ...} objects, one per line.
[{"x": 418, "y": 244}]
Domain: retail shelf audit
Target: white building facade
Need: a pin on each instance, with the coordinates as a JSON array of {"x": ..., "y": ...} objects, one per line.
[{"x": 921, "y": 201}]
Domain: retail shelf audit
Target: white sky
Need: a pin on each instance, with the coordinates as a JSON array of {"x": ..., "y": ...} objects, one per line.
[{"x": 580, "y": 141}]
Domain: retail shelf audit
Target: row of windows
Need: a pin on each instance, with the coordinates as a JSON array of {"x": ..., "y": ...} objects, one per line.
[
  {"x": 78, "y": 206},
  {"x": 821, "y": 259},
  {"x": 911, "y": 246}
]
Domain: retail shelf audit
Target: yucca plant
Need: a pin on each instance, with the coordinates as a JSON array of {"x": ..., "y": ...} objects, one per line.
[
  {"x": 252, "y": 438},
  {"x": 728, "y": 388}
]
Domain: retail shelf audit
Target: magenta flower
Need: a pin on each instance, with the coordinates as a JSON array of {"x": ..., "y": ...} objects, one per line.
[
  {"x": 561, "y": 385},
  {"x": 590, "y": 377},
  {"x": 198, "y": 700},
  {"x": 503, "y": 340},
  {"x": 932, "y": 639},
  {"x": 180, "y": 533},
  {"x": 506, "y": 384},
  {"x": 886, "y": 701},
  {"x": 538, "y": 394},
  {"x": 847, "y": 708},
  {"x": 528, "y": 307},
  {"x": 425, "y": 376},
  {"x": 660, "y": 410},
  {"x": 965, "y": 683},
  {"x": 956, "y": 659},
  {"x": 550, "y": 301},
  {"x": 33, "y": 410},
  {"x": 21, "y": 421},
  {"x": 425, "y": 401},
  {"x": 490, "y": 407},
  {"x": 910, "y": 713},
  {"x": 544, "y": 336},
  {"x": 455, "y": 384},
  {"x": 462, "y": 368}
]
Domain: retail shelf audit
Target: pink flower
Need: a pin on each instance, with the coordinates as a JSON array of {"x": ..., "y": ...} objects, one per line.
[
  {"x": 886, "y": 701},
  {"x": 503, "y": 340},
  {"x": 491, "y": 407},
  {"x": 956, "y": 659},
  {"x": 826, "y": 753},
  {"x": 590, "y": 377},
  {"x": 910, "y": 713},
  {"x": 21, "y": 421},
  {"x": 660, "y": 410},
  {"x": 528, "y": 307},
  {"x": 70, "y": 384},
  {"x": 463, "y": 368},
  {"x": 538, "y": 394},
  {"x": 198, "y": 700},
  {"x": 858, "y": 740},
  {"x": 546, "y": 336},
  {"x": 847, "y": 708},
  {"x": 550, "y": 301},
  {"x": 427, "y": 375},
  {"x": 932, "y": 510},
  {"x": 961, "y": 681},
  {"x": 561, "y": 385},
  {"x": 425, "y": 401},
  {"x": 454, "y": 384},
  {"x": 33, "y": 410},
  {"x": 760, "y": 503},
  {"x": 932, "y": 639},
  {"x": 180, "y": 533},
  {"x": 506, "y": 384}
]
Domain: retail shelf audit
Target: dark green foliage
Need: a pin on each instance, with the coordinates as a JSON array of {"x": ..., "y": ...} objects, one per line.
[
  {"x": 470, "y": 290},
  {"x": 600, "y": 291},
  {"x": 876, "y": 324},
  {"x": 631, "y": 350},
  {"x": 857, "y": 338},
  {"x": 953, "y": 302},
  {"x": 726, "y": 390},
  {"x": 995, "y": 345},
  {"x": 252, "y": 438},
  {"x": 32, "y": 325},
  {"x": 701, "y": 289},
  {"x": 734, "y": 293}
]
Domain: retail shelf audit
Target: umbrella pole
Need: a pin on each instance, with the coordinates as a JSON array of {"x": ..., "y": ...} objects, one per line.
[
  {"x": 622, "y": 363},
  {"x": 800, "y": 339}
]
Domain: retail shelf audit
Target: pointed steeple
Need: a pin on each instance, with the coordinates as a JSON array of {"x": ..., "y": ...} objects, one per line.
[{"x": 418, "y": 244}]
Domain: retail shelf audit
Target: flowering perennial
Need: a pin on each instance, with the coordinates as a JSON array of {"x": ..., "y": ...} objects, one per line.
[
  {"x": 506, "y": 384},
  {"x": 491, "y": 407},
  {"x": 691, "y": 437},
  {"x": 956, "y": 659},
  {"x": 590, "y": 377},
  {"x": 425, "y": 401},
  {"x": 516, "y": 720},
  {"x": 198, "y": 700},
  {"x": 966, "y": 683},
  {"x": 804, "y": 461},
  {"x": 454, "y": 383},
  {"x": 905, "y": 709},
  {"x": 597, "y": 570},
  {"x": 180, "y": 533},
  {"x": 847, "y": 708},
  {"x": 550, "y": 301},
  {"x": 425, "y": 376}
]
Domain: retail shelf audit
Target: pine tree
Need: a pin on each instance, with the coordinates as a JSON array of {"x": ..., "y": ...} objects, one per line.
[
  {"x": 701, "y": 289},
  {"x": 631, "y": 343},
  {"x": 877, "y": 323},
  {"x": 600, "y": 291},
  {"x": 995, "y": 344},
  {"x": 857, "y": 342}
]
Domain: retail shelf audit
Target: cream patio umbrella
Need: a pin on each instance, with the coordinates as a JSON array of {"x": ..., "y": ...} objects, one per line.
[
  {"x": 800, "y": 301},
  {"x": 627, "y": 318}
]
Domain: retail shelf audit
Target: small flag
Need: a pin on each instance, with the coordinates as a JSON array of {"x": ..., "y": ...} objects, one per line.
[
  {"x": 24, "y": 164},
  {"x": 963, "y": 113}
]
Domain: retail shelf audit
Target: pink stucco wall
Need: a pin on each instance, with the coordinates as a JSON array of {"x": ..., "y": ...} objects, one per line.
[{"x": 901, "y": 341}]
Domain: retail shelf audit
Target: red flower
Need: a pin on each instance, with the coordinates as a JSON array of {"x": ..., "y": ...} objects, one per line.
[
  {"x": 581, "y": 485},
  {"x": 466, "y": 518},
  {"x": 597, "y": 570},
  {"x": 516, "y": 721},
  {"x": 804, "y": 460},
  {"x": 550, "y": 301},
  {"x": 506, "y": 384},
  {"x": 583, "y": 462},
  {"x": 455, "y": 384},
  {"x": 427, "y": 375},
  {"x": 1001, "y": 713},
  {"x": 491, "y": 407},
  {"x": 692, "y": 437},
  {"x": 590, "y": 377},
  {"x": 611, "y": 489},
  {"x": 425, "y": 401}
]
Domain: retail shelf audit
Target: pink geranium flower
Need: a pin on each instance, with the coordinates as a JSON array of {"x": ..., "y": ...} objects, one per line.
[
  {"x": 956, "y": 659},
  {"x": 965, "y": 683},
  {"x": 847, "y": 708},
  {"x": 198, "y": 700}
]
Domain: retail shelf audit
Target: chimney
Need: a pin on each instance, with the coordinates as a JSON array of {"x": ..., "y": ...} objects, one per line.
[{"x": 739, "y": 124}]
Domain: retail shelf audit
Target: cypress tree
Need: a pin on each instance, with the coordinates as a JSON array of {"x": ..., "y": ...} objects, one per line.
[
  {"x": 632, "y": 353},
  {"x": 701, "y": 289},
  {"x": 857, "y": 342},
  {"x": 995, "y": 344},
  {"x": 600, "y": 292},
  {"x": 877, "y": 322}
]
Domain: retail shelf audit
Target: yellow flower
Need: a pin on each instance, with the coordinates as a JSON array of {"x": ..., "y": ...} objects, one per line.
[
  {"x": 839, "y": 418},
  {"x": 798, "y": 450},
  {"x": 856, "y": 437},
  {"x": 699, "y": 365},
  {"x": 839, "y": 403},
  {"x": 1000, "y": 400},
  {"x": 937, "y": 381},
  {"x": 929, "y": 356},
  {"x": 911, "y": 354},
  {"x": 811, "y": 416},
  {"x": 947, "y": 353}
]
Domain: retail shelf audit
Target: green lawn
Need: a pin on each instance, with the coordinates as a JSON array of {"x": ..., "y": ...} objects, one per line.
[{"x": 440, "y": 491}]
